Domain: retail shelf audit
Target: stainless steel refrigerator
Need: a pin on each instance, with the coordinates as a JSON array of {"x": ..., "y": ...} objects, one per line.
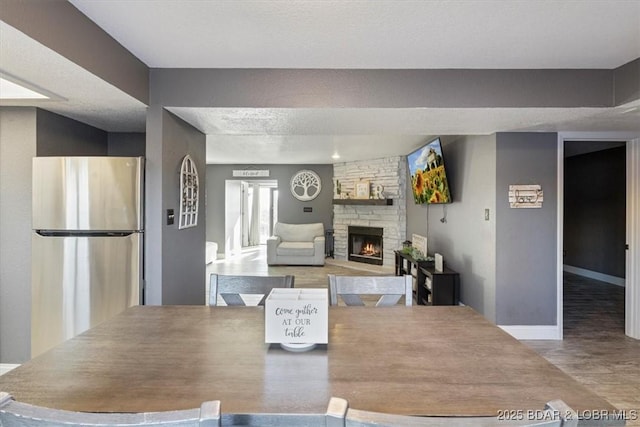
[{"x": 86, "y": 244}]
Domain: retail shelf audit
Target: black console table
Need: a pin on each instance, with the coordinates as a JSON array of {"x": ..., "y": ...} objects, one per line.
[
  {"x": 432, "y": 287},
  {"x": 438, "y": 287}
]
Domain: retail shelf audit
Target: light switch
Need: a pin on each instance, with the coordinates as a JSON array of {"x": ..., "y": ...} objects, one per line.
[{"x": 486, "y": 214}]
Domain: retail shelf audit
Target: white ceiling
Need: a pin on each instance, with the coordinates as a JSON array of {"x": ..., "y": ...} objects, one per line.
[
  {"x": 386, "y": 34},
  {"x": 307, "y": 135},
  {"x": 373, "y": 33}
]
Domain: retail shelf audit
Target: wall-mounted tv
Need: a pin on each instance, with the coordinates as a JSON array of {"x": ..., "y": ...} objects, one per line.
[{"x": 428, "y": 176}]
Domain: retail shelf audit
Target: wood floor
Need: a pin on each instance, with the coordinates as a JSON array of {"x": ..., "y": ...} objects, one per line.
[
  {"x": 253, "y": 261},
  {"x": 595, "y": 350}
]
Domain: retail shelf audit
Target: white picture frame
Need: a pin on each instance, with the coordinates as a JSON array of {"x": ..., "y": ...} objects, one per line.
[
  {"x": 363, "y": 189},
  {"x": 420, "y": 243}
]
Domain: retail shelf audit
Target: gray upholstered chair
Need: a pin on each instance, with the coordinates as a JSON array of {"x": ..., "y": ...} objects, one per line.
[
  {"x": 296, "y": 244},
  {"x": 230, "y": 287},
  {"x": 389, "y": 288},
  {"x": 20, "y": 414}
]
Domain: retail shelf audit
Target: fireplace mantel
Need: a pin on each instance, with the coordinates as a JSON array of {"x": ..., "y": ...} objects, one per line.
[{"x": 383, "y": 202}]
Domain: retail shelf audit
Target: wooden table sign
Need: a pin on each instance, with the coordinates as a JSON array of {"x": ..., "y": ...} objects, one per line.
[{"x": 297, "y": 319}]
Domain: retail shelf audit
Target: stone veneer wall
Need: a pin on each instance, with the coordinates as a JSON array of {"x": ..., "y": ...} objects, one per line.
[{"x": 391, "y": 173}]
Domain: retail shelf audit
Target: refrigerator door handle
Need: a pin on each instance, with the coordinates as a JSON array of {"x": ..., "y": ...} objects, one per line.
[{"x": 48, "y": 233}]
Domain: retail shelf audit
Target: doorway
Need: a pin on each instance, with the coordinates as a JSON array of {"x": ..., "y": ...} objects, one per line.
[
  {"x": 251, "y": 210},
  {"x": 260, "y": 211},
  {"x": 594, "y": 237},
  {"x": 632, "y": 225}
]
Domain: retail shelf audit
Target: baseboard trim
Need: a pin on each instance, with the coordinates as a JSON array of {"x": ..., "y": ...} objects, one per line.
[
  {"x": 618, "y": 281},
  {"x": 533, "y": 332},
  {"x": 6, "y": 367}
]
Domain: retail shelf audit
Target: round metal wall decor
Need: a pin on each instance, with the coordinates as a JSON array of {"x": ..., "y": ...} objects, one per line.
[{"x": 305, "y": 185}]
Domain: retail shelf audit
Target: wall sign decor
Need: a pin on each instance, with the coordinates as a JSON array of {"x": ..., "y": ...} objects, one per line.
[
  {"x": 189, "y": 192},
  {"x": 251, "y": 173},
  {"x": 305, "y": 185},
  {"x": 363, "y": 189},
  {"x": 525, "y": 196},
  {"x": 297, "y": 319},
  {"x": 378, "y": 192},
  {"x": 337, "y": 189},
  {"x": 419, "y": 243}
]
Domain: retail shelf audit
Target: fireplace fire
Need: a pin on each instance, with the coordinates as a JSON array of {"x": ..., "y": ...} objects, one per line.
[
  {"x": 369, "y": 249},
  {"x": 365, "y": 245}
]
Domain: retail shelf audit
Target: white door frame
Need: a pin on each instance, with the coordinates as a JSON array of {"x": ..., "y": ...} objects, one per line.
[
  {"x": 632, "y": 269},
  {"x": 632, "y": 295},
  {"x": 244, "y": 196},
  {"x": 257, "y": 183},
  {"x": 232, "y": 218}
]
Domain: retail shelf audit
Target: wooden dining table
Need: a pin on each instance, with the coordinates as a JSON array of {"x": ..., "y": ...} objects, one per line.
[{"x": 439, "y": 361}]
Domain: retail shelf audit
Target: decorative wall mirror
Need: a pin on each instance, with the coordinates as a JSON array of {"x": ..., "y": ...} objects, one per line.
[{"x": 189, "y": 189}]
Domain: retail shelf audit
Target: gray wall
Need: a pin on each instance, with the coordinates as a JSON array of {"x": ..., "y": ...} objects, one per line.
[
  {"x": 174, "y": 259},
  {"x": 183, "y": 265},
  {"x": 595, "y": 211},
  {"x": 127, "y": 144},
  {"x": 507, "y": 264},
  {"x": 60, "y": 136},
  {"x": 17, "y": 148},
  {"x": 290, "y": 209},
  {"x": 627, "y": 82},
  {"x": 274, "y": 88},
  {"x": 466, "y": 240},
  {"x": 526, "y": 238}
]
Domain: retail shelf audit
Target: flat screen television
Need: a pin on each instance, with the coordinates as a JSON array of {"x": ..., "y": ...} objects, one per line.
[{"x": 429, "y": 182}]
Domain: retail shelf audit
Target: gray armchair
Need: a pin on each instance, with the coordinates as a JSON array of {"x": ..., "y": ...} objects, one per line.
[{"x": 296, "y": 244}]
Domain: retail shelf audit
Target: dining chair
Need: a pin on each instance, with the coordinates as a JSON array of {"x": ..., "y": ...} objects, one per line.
[
  {"x": 333, "y": 417},
  {"x": 230, "y": 288},
  {"x": 338, "y": 414},
  {"x": 20, "y": 414},
  {"x": 389, "y": 288},
  {"x": 555, "y": 414}
]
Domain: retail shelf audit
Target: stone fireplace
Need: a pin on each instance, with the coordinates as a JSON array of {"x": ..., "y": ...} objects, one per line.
[
  {"x": 365, "y": 244},
  {"x": 389, "y": 218}
]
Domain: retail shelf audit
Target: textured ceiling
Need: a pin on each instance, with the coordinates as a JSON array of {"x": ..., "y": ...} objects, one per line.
[
  {"x": 373, "y": 34},
  {"x": 76, "y": 93},
  {"x": 385, "y": 34},
  {"x": 307, "y": 135}
]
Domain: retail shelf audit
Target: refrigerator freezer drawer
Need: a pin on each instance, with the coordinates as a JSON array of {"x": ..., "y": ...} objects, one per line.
[
  {"x": 87, "y": 193},
  {"x": 78, "y": 282}
]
